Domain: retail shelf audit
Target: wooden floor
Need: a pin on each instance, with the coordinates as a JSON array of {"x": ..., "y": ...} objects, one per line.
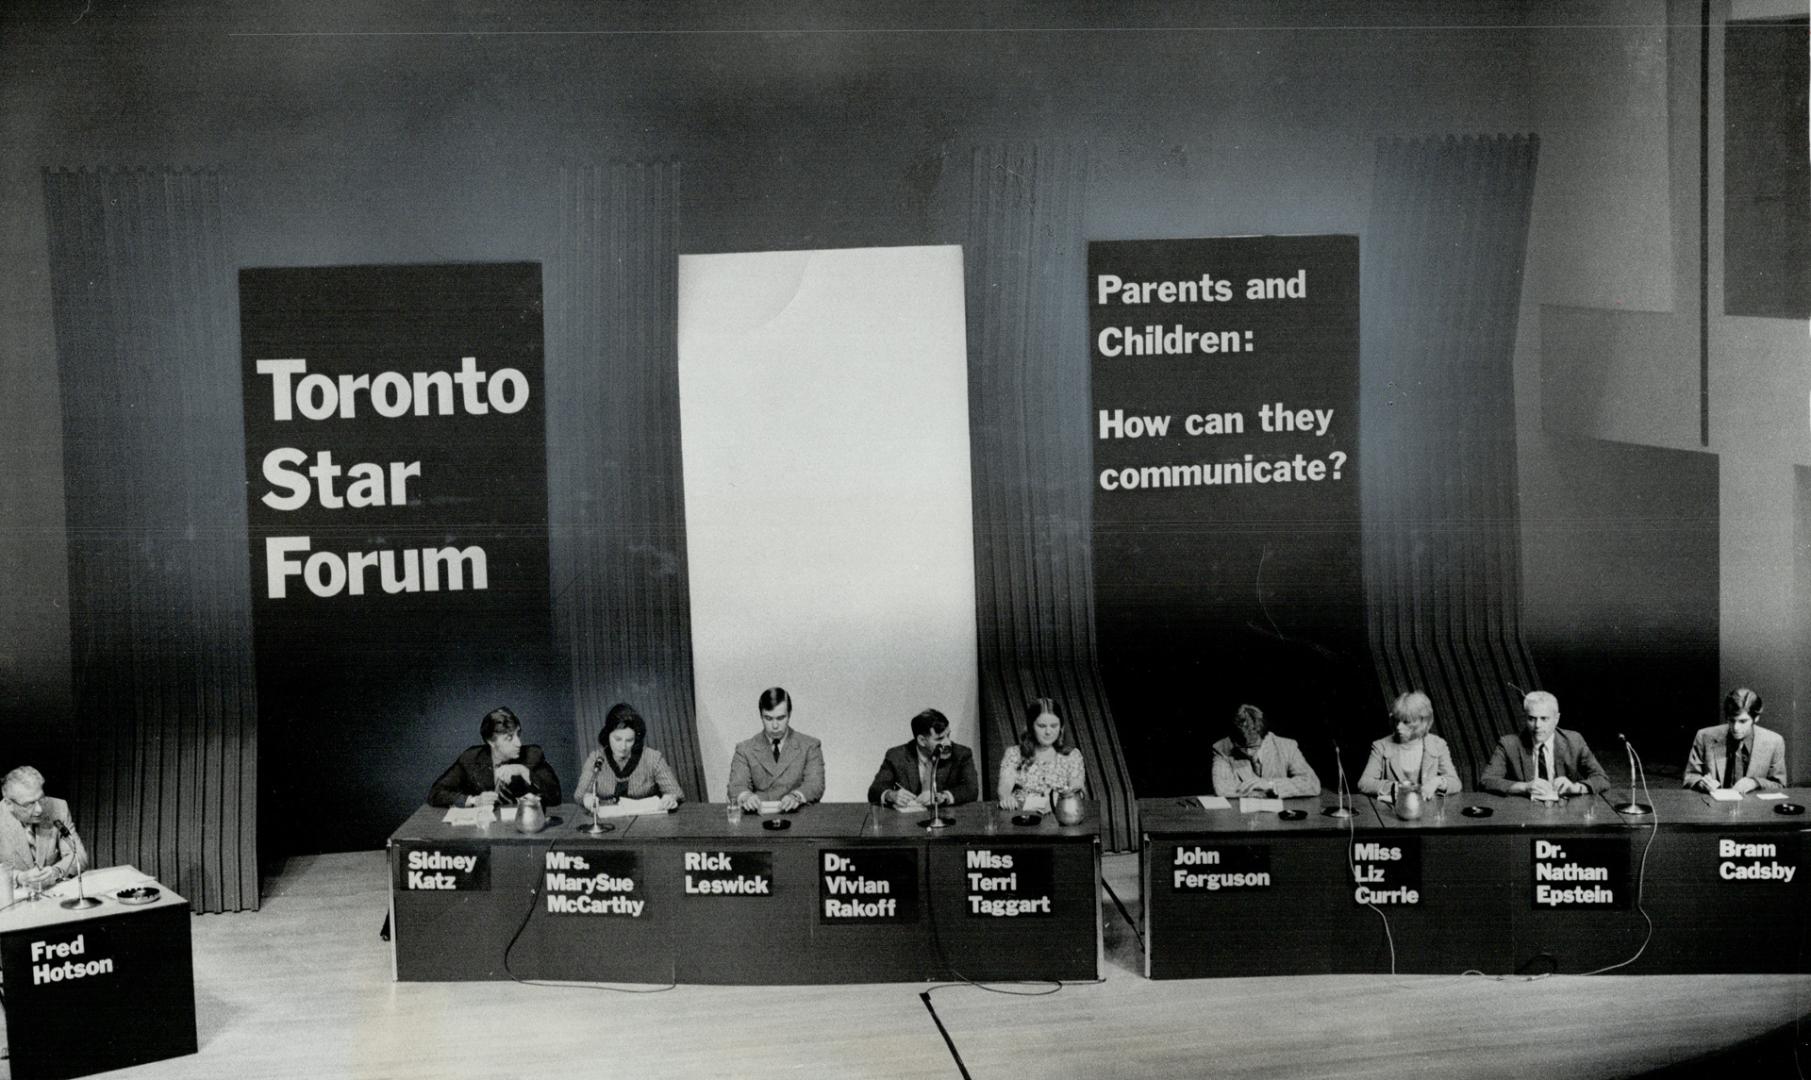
[{"x": 302, "y": 989}]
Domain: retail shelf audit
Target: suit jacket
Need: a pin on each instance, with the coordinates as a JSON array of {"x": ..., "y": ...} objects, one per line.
[
  {"x": 651, "y": 775},
  {"x": 29, "y": 847},
  {"x": 1385, "y": 768},
  {"x": 1766, "y": 758},
  {"x": 471, "y": 774},
  {"x": 955, "y": 773},
  {"x": 1281, "y": 759},
  {"x": 1512, "y": 762},
  {"x": 800, "y": 768}
]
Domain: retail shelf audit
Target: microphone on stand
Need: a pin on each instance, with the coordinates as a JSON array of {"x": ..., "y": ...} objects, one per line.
[
  {"x": 1344, "y": 809},
  {"x": 598, "y": 828},
  {"x": 936, "y": 820},
  {"x": 81, "y": 901},
  {"x": 1633, "y": 808}
]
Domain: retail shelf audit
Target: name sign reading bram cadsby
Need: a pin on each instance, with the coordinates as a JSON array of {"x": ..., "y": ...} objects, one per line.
[
  {"x": 1741, "y": 860},
  {"x": 729, "y": 873},
  {"x": 1198, "y": 868},
  {"x": 64, "y": 961},
  {"x": 1581, "y": 873},
  {"x": 443, "y": 868},
  {"x": 1387, "y": 873},
  {"x": 1008, "y": 884},
  {"x": 589, "y": 881},
  {"x": 868, "y": 885}
]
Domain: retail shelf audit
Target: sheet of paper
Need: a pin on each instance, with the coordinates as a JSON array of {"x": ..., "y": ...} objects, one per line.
[
  {"x": 1724, "y": 794},
  {"x": 1036, "y": 804},
  {"x": 1213, "y": 802},
  {"x": 467, "y": 815},
  {"x": 630, "y": 807},
  {"x": 1772, "y": 796},
  {"x": 1258, "y": 806},
  {"x": 101, "y": 882},
  {"x": 770, "y": 807},
  {"x": 506, "y": 813}
]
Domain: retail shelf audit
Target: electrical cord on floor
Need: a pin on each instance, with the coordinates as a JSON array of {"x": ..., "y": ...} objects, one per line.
[
  {"x": 1137, "y": 932},
  {"x": 1641, "y": 875},
  {"x": 534, "y": 901}
]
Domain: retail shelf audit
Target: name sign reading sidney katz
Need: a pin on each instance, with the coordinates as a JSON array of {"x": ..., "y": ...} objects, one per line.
[
  {"x": 590, "y": 881},
  {"x": 1009, "y": 883},
  {"x": 1212, "y": 867},
  {"x": 868, "y": 885},
  {"x": 729, "y": 873},
  {"x": 443, "y": 868},
  {"x": 1580, "y": 873}
]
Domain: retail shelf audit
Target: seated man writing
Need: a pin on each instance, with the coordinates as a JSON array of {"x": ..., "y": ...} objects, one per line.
[{"x": 903, "y": 780}]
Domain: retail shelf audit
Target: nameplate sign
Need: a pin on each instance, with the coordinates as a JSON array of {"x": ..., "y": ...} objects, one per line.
[
  {"x": 593, "y": 882},
  {"x": 61, "y": 958},
  {"x": 1758, "y": 862},
  {"x": 868, "y": 885},
  {"x": 729, "y": 873},
  {"x": 1213, "y": 867},
  {"x": 443, "y": 868},
  {"x": 1387, "y": 873},
  {"x": 1580, "y": 873},
  {"x": 1008, "y": 883}
]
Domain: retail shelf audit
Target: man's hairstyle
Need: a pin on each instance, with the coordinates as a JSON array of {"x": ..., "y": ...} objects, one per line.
[
  {"x": 1539, "y": 697},
  {"x": 623, "y": 715},
  {"x": 1741, "y": 700},
  {"x": 1028, "y": 739},
  {"x": 21, "y": 775},
  {"x": 773, "y": 697},
  {"x": 1249, "y": 715},
  {"x": 1416, "y": 708},
  {"x": 928, "y": 721},
  {"x": 499, "y": 721}
]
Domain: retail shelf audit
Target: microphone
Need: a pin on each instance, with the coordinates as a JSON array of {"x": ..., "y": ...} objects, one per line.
[
  {"x": 1339, "y": 767},
  {"x": 81, "y": 901},
  {"x": 936, "y": 820},
  {"x": 597, "y": 828},
  {"x": 1633, "y": 808}
]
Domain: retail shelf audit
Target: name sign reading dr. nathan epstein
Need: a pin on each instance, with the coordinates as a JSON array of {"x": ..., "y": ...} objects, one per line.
[
  {"x": 1009, "y": 883},
  {"x": 868, "y": 885},
  {"x": 442, "y": 868},
  {"x": 1581, "y": 873},
  {"x": 729, "y": 873},
  {"x": 587, "y": 881}
]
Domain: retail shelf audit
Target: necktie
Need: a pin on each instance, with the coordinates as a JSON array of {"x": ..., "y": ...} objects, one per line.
[
  {"x": 1733, "y": 766},
  {"x": 776, "y": 749},
  {"x": 1257, "y": 767},
  {"x": 1544, "y": 757}
]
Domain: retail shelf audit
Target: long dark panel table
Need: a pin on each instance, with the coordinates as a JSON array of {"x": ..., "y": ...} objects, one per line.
[
  {"x": 845, "y": 893},
  {"x": 1533, "y": 888}
]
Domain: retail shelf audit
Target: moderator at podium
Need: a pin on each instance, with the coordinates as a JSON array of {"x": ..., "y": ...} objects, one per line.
[
  {"x": 1738, "y": 754},
  {"x": 624, "y": 766},
  {"x": 901, "y": 779},
  {"x": 1544, "y": 761},
  {"x": 501, "y": 769},
  {"x": 1252, "y": 761},
  {"x": 778, "y": 764}
]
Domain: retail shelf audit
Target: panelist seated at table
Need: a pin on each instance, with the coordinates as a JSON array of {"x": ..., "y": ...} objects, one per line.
[
  {"x": 1544, "y": 761},
  {"x": 501, "y": 769},
  {"x": 903, "y": 779},
  {"x": 778, "y": 764},
  {"x": 37, "y": 835},
  {"x": 1411, "y": 756},
  {"x": 1043, "y": 761},
  {"x": 1738, "y": 754},
  {"x": 624, "y": 766},
  {"x": 1251, "y": 761}
]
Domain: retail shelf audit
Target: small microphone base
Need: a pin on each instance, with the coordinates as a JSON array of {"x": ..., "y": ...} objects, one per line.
[
  {"x": 598, "y": 828},
  {"x": 935, "y": 821},
  {"x": 1336, "y": 812},
  {"x": 1634, "y": 809},
  {"x": 80, "y": 903}
]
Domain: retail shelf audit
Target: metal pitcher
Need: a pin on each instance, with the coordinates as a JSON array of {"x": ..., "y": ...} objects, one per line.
[
  {"x": 530, "y": 817},
  {"x": 1408, "y": 803},
  {"x": 1067, "y": 805}
]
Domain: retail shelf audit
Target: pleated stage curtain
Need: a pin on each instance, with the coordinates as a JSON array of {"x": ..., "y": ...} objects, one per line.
[
  {"x": 616, "y": 507},
  {"x": 1443, "y": 253},
  {"x": 154, "y": 475},
  {"x": 1026, "y": 265}
]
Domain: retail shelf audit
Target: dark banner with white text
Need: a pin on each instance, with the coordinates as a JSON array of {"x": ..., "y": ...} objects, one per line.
[
  {"x": 396, "y": 474},
  {"x": 1227, "y": 563}
]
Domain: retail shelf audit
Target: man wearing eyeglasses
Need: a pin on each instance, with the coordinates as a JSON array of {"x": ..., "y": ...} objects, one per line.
[{"x": 37, "y": 836}]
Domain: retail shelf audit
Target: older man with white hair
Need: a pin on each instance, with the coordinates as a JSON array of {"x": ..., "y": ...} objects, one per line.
[
  {"x": 1545, "y": 761},
  {"x": 37, "y": 836}
]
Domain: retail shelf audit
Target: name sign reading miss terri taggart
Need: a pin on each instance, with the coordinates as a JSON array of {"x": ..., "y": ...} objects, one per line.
[
  {"x": 729, "y": 873},
  {"x": 1739, "y": 860},
  {"x": 593, "y": 882},
  {"x": 1581, "y": 873},
  {"x": 1009, "y": 884},
  {"x": 1194, "y": 868},
  {"x": 443, "y": 868},
  {"x": 54, "y": 961},
  {"x": 1387, "y": 873},
  {"x": 867, "y": 885}
]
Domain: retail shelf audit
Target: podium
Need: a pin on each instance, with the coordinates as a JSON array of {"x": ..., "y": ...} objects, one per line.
[{"x": 97, "y": 989}]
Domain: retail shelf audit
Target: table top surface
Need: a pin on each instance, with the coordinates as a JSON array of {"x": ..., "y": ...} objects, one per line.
[
  {"x": 711, "y": 821},
  {"x": 104, "y": 885}
]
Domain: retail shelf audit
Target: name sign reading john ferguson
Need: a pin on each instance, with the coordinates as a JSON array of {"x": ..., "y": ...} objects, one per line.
[
  {"x": 1739, "y": 860},
  {"x": 868, "y": 885},
  {"x": 1581, "y": 873},
  {"x": 1008, "y": 884},
  {"x": 443, "y": 868},
  {"x": 589, "y": 881},
  {"x": 729, "y": 873},
  {"x": 1387, "y": 873},
  {"x": 1198, "y": 868}
]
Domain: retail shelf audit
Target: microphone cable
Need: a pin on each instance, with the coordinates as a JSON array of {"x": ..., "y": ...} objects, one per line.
[
  {"x": 534, "y": 901},
  {"x": 1641, "y": 874},
  {"x": 1389, "y": 935}
]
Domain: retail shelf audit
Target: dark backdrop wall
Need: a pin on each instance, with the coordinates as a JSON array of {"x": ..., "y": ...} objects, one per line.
[{"x": 426, "y": 139}]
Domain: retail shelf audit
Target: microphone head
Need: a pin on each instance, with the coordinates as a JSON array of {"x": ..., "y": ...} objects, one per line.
[{"x": 62, "y": 827}]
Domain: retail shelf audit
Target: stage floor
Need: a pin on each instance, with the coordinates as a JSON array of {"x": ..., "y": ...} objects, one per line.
[{"x": 302, "y": 989}]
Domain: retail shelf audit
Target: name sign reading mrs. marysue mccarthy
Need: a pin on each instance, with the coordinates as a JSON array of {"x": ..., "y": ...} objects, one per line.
[
  {"x": 1009, "y": 883},
  {"x": 729, "y": 873},
  {"x": 590, "y": 881},
  {"x": 443, "y": 868},
  {"x": 865, "y": 885}
]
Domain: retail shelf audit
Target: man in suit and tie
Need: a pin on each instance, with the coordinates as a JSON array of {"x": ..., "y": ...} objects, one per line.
[
  {"x": 1738, "y": 754},
  {"x": 779, "y": 764},
  {"x": 1545, "y": 761},
  {"x": 903, "y": 777}
]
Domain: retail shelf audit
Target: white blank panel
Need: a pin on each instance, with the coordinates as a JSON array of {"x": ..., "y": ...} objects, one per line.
[{"x": 823, "y": 401}]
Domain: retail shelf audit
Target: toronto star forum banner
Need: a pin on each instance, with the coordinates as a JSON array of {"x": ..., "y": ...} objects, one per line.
[
  {"x": 1227, "y": 563},
  {"x": 396, "y": 469}
]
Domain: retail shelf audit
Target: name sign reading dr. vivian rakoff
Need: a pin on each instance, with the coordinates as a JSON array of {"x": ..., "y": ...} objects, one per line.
[
  {"x": 868, "y": 885},
  {"x": 590, "y": 881},
  {"x": 1008, "y": 883}
]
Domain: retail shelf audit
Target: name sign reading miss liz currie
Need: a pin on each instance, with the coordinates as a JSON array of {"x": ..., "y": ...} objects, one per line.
[
  {"x": 1008, "y": 883},
  {"x": 443, "y": 868},
  {"x": 729, "y": 873},
  {"x": 1387, "y": 874},
  {"x": 1212, "y": 867},
  {"x": 868, "y": 885},
  {"x": 1581, "y": 873},
  {"x": 1742, "y": 860},
  {"x": 590, "y": 881}
]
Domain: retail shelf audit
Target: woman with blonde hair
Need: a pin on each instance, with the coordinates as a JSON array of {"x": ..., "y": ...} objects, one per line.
[{"x": 1411, "y": 756}]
